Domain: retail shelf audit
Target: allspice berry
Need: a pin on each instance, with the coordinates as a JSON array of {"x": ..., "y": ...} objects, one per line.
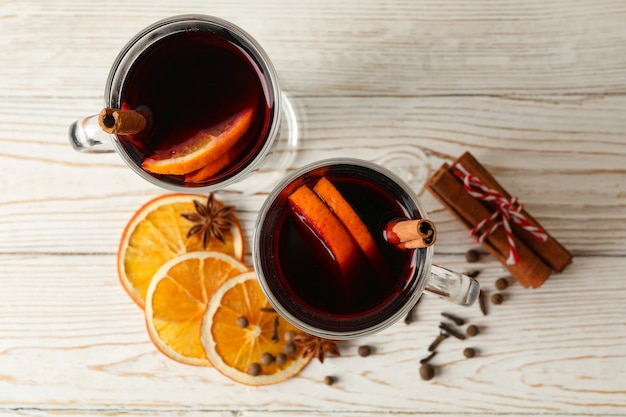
[
  {"x": 427, "y": 372},
  {"x": 497, "y": 298},
  {"x": 254, "y": 369},
  {"x": 472, "y": 256},
  {"x": 502, "y": 284},
  {"x": 281, "y": 359},
  {"x": 364, "y": 351},
  {"x": 289, "y": 348},
  {"x": 330, "y": 380},
  {"x": 242, "y": 321},
  {"x": 266, "y": 359},
  {"x": 469, "y": 352},
  {"x": 472, "y": 330},
  {"x": 289, "y": 335}
]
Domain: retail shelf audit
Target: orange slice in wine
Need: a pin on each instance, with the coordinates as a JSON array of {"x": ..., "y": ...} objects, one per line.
[
  {"x": 352, "y": 222},
  {"x": 216, "y": 166},
  {"x": 326, "y": 226},
  {"x": 203, "y": 148}
]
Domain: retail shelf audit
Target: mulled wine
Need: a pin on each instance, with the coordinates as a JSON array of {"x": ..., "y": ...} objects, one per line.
[
  {"x": 195, "y": 84},
  {"x": 299, "y": 252}
]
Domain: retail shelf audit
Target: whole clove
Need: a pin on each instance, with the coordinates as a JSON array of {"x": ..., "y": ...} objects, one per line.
[
  {"x": 442, "y": 336},
  {"x": 275, "y": 331},
  {"x": 457, "y": 320},
  {"x": 451, "y": 331},
  {"x": 410, "y": 316},
  {"x": 268, "y": 310},
  {"x": 482, "y": 302},
  {"x": 428, "y": 358}
]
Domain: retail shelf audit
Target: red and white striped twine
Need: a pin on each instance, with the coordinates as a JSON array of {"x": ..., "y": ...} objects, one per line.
[{"x": 506, "y": 210}]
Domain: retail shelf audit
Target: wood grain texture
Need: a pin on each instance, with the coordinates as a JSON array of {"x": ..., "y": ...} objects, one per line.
[
  {"x": 535, "y": 90},
  {"x": 557, "y": 349},
  {"x": 564, "y": 157},
  {"x": 401, "y": 47}
]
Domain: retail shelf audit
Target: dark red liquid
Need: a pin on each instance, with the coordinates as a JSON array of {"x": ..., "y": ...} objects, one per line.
[
  {"x": 307, "y": 280},
  {"x": 193, "y": 81}
]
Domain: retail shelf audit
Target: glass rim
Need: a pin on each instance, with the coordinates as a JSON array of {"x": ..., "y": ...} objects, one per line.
[
  {"x": 167, "y": 27},
  {"x": 420, "y": 275}
]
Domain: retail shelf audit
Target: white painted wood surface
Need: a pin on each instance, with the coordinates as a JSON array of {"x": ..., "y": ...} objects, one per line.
[{"x": 535, "y": 90}]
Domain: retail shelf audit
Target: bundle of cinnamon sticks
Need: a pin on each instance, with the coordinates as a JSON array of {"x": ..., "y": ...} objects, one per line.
[{"x": 536, "y": 258}]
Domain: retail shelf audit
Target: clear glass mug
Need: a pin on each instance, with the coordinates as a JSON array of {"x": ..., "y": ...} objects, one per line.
[
  {"x": 300, "y": 277},
  {"x": 124, "y": 83}
]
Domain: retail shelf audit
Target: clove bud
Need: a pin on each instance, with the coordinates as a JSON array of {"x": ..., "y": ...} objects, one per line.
[
  {"x": 442, "y": 336},
  {"x": 451, "y": 331},
  {"x": 457, "y": 320}
]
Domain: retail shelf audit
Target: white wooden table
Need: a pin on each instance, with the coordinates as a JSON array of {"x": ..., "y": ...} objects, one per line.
[{"x": 535, "y": 89}]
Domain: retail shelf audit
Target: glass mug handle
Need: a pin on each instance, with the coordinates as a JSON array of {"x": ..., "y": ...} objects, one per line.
[
  {"x": 452, "y": 286},
  {"x": 86, "y": 136}
]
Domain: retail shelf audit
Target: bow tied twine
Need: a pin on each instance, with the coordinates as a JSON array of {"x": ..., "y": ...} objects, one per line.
[{"x": 507, "y": 210}]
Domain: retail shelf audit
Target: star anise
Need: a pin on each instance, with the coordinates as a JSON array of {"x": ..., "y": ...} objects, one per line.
[
  {"x": 317, "y": 347},
  {"x": 211, "y": 220}
]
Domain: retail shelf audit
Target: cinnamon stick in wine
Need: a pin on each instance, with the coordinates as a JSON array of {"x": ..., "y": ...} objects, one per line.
[
  {"x": 414, "y": 244},
  {"x": 411, "y": 234},
  {"x": 123, "y": 122}
]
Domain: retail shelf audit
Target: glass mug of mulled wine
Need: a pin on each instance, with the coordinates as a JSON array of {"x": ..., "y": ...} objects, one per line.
[
  {"x": 342, "y": 248},
  {"x": 192, "y": 102}
]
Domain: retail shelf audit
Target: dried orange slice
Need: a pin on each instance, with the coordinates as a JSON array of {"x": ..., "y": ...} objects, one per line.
[
  {"x": 157, "y": 233},
  {"x": 177, "y": 299},
  {"x": 233, "y": 349},
  {"x": 326, "y": 227},
  {"x": 203, "y": 148},
  {"x": 352, "y": 222}
]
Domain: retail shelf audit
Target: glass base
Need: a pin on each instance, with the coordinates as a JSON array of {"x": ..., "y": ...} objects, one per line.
[
  {"x": 411, "y": 165},
  {"x": 279, "y": 158}
]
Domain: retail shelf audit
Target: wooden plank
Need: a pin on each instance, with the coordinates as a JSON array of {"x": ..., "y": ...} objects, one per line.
[
  {"x": 183, "y": 412},
  {"x": 563, "y": 157},
  {"x": 71, "y": 339},
  {"x": 341, "y": 48}
]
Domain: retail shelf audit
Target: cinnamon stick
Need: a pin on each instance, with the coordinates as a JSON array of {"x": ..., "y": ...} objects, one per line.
[
  {"x": 414, "y": 244},
  {"x": 123, "y": 122},
  {"x": 411, "y": 234},
  {"x": 550, "y": 251},
  {"x": 531, "y": 271}
]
